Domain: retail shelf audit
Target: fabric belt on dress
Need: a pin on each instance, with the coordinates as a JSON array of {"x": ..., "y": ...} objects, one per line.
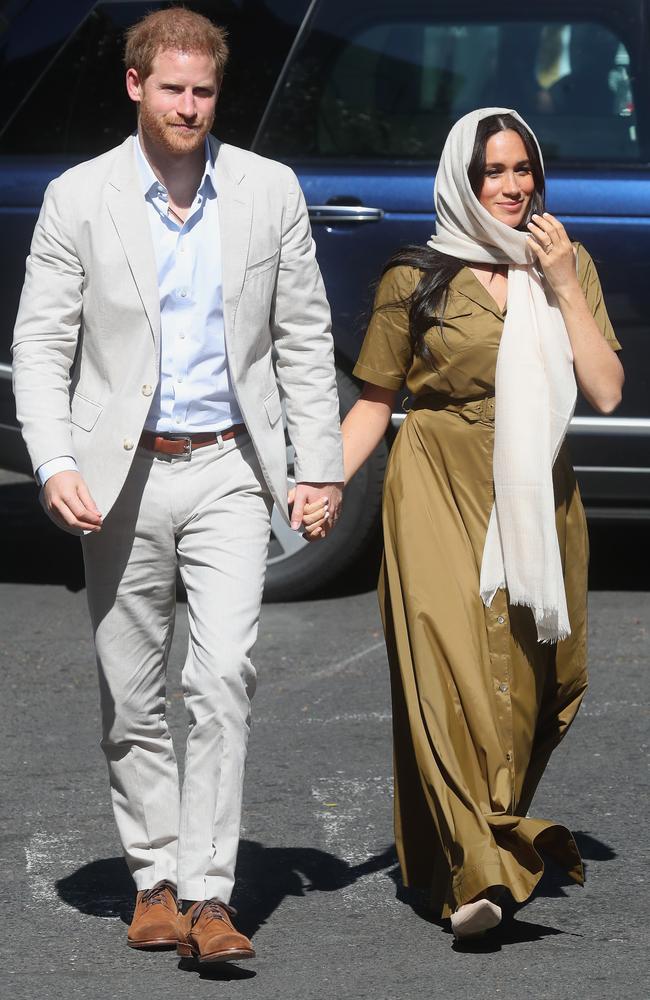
[
  {"x": 185, "y": 444},
  {"x": 472, "y": 409}
]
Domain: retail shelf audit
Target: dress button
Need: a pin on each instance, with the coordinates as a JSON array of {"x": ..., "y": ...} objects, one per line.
[
  {"x": 146, "y": 390},
  {"x": 500, "y": 619},
  {"x": 127, "y": 444},
  {"x": 503, "y": 687}
]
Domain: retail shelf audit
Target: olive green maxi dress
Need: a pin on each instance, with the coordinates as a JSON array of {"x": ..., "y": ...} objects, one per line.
[{"x": 478, "y": 703}]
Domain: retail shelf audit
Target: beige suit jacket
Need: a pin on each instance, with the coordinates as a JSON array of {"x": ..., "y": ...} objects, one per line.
[{"x": 87, "y": 338}]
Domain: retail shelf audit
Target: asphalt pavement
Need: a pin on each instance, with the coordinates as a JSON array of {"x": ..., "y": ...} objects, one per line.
[{"x": 318, "y": 884}]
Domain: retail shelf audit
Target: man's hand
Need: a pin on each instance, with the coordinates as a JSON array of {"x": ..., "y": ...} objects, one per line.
[
  {"x": 68, "y": 503},
  {"x": 316, "y": 494}
]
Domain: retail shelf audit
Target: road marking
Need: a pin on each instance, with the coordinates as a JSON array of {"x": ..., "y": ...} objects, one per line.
[
  {"x": 336, "y": 668},
  {"x": 46, "y": 859},
  {"x": 343, "y": 808},
  {"x": 355, "y": 717}
]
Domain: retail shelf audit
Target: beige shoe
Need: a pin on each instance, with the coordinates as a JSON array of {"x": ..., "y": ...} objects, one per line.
[{"x": 472, "y": 919}]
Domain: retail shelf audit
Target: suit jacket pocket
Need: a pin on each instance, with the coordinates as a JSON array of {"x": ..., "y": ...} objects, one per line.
[
  {"x": 259, "y": 266},
  {"x": 273, "y": 406},
  {"x": 83, "y": 412}
]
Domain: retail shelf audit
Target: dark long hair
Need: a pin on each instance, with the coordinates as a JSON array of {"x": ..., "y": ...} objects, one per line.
[{"x": 427, "y": 302}]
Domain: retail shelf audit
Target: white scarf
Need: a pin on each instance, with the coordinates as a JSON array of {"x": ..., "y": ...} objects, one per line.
[{"x": 535, "y": 393}]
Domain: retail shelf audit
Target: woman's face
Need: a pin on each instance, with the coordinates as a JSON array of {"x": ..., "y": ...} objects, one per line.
[{"x": 508, "y": 183}]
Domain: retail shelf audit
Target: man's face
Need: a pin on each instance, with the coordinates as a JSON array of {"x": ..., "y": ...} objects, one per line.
[{"x": 177, "y": 100}]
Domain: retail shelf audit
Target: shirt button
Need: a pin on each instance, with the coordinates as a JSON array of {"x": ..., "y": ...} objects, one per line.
[
  {"x": 508, "y": 756},
  {"x": 182, "y": 335},
  {"x": 503, "y": 687},
  {"x": 500, "y": 619},
  {"x": 146, "y": 390},
  {"x": 178, "y": 420},
  {"x": 127, "y": 444},
  {"x": 179, "y": 379},
  {"x": 183, "y": 293},
  {"x": 181, "y": 249}
]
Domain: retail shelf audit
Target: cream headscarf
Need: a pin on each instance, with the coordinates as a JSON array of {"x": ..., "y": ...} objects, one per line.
[{"x": 535, "y": 392}]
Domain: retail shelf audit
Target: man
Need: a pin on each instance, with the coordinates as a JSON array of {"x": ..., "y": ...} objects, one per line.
[{"x": 161, "y": 278}]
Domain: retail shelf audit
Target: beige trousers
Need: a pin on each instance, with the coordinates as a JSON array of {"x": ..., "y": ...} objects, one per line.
[{"x": 209, "y": 517}]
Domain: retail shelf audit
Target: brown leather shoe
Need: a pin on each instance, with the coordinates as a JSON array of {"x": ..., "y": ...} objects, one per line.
[
  {"x": 156, "y": 920},
  {"x": 207, "y": 933}
]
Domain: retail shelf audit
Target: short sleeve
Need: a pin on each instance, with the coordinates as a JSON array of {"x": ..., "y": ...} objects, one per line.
[
  {"x": 387, "y": 354},
  {"x": 590, "y": 283}
]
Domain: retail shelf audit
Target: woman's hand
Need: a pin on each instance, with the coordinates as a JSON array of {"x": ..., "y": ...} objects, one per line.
[
  {"x": 549, "y": 242},
  {"x": 598, "y": 371},
  {"x": 316, "y": 519}
]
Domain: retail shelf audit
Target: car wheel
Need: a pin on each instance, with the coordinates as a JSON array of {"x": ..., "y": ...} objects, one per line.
[{"x": 297, "y": 568}]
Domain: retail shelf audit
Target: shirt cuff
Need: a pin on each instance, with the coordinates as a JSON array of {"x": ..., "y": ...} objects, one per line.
[
  {"x": 65, "y": 463},
  {"x": 382, "y": 379}
]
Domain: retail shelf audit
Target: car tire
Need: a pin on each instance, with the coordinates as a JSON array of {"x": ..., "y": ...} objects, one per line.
[{"x": 296, "y": 569}]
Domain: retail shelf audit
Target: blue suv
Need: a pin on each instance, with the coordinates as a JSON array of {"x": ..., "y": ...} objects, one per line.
[{"x": 358, "y": 98}]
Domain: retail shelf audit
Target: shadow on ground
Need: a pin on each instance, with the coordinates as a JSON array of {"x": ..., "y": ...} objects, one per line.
[
  {"x": 512, "y": 930},
  {"x": 265, "y": 877},
  {"x": 555, "y": 879},
  {"x": 268, "y": 875}
]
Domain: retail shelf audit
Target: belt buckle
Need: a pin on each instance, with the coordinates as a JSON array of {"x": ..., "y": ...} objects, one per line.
[
  {"x": 488, "y": 409},
  {"x": 187, "y": 446}
]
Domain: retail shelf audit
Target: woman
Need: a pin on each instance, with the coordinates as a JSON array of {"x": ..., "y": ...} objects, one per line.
[{"x": 483, "y": 588}]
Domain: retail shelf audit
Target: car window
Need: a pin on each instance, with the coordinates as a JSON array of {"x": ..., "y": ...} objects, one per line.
[
  {"x": 387, "y": 80},
  {"x": 73, "y": 99}
]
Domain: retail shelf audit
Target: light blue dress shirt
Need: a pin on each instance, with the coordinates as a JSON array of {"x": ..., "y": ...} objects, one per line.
[{"x": 194, "y": 392}]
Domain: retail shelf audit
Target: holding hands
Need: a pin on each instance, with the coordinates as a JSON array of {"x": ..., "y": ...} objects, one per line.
[{"x": 315, "y": 507}]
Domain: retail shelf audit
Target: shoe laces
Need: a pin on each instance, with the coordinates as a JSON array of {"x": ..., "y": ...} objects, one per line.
[
  {"x": 214, "y": 909},
  {"x": 157, "y": 893}
]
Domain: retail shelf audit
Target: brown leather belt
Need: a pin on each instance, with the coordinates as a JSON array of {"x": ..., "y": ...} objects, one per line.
[{"x": 185, "y": 444}]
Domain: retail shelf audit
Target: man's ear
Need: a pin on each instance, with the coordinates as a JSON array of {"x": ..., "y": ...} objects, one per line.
[{"x": 133, "y": 85}]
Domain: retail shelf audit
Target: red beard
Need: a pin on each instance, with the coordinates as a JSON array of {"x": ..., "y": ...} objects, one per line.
[{"x": 164, "y": 130}]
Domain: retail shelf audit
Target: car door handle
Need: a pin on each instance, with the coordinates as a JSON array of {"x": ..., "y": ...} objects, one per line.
[{"x": 344, "y": 213}]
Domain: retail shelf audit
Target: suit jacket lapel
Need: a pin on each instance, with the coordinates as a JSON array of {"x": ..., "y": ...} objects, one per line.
[
  {"x": 235, "y": 199},
  {"x": 128, "y": 211}
]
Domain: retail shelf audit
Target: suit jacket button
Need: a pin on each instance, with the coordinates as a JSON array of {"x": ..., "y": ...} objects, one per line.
[
  {"x": 146, "y": 390},
  {"x": 128, "y": 444}
]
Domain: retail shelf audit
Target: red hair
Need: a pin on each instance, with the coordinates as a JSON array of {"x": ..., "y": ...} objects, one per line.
[{"x": 176, "y": 29}]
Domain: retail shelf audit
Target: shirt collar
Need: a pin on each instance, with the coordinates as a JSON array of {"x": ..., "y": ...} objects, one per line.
[
  {"x": 467, "y": 284},
  {"x": 150, "y": 183}
]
